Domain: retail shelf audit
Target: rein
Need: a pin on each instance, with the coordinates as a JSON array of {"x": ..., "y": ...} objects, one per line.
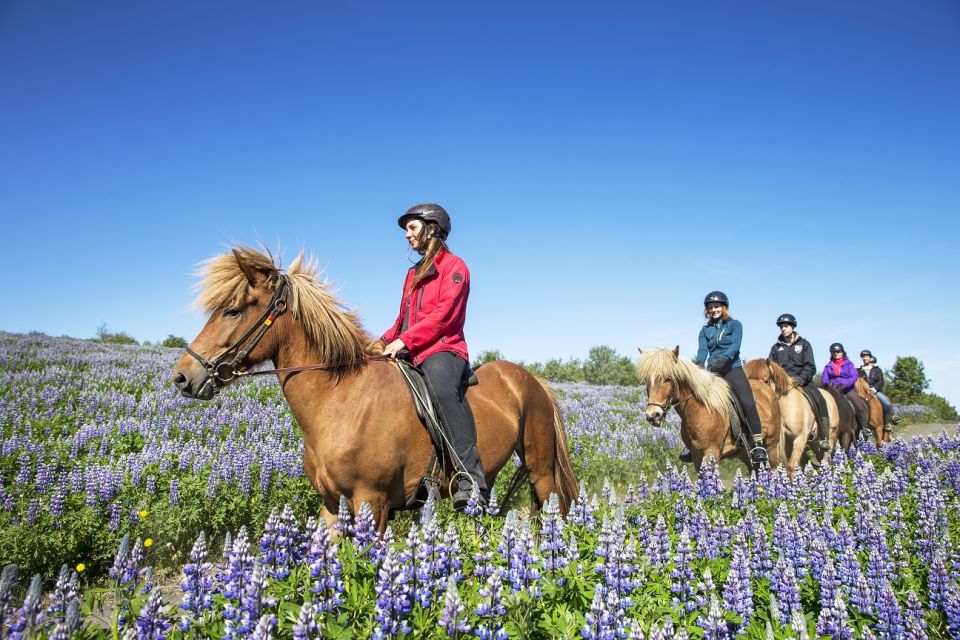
[
  {"x": 670, "y": 403},
  {"x": 220, "y": 370}
]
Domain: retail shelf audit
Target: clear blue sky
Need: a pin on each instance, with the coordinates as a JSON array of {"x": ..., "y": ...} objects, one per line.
[{"x": 605, "y": 164}]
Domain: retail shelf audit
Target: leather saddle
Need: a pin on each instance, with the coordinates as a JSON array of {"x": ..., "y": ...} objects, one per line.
[{"x": 425, "y": 403}]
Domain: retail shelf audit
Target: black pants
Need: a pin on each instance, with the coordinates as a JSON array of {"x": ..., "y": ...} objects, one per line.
[
  {"x": 821, "y": 404},
  {"x": 444, "y": 372},
  {"x": 741, "y": 388}
]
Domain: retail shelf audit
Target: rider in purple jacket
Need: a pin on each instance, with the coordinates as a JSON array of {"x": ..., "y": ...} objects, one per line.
[{"x": 841, "y": 374}]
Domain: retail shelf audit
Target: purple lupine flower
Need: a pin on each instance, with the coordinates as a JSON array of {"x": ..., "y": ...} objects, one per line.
[
  {"x": 761, "y": 560},
  {"x": 197, "y": 584},
  {"x": 115, "y": 511},
  {"x": 239, "y": 565},
  {"x": 708, "y": 480},
  {"x": 152, "y": 623},
  {"x": 29, "y": 616},
  {"x": 394, "y": 599},
  {"x": 365, "y": 528},
  {"x": 890, "y": 623},
  {"x": 7, "y": 579},
  {"x": 582, "y": 511},
  {"x": 491, "y": 609},
  {"x": 713, "y": 625},
  {"x": 344, "y": 522},
  {"x": 744, "y": 491},
  {"x": 264, "y": 628},
  {"x": 64, "y": 592},
  {"x": 483, "y": 558},
  {"x": 71, "y": 623},
  {"x": 658, "y": 548},
  {"x": 325, "y": 569},
  {"x": 449, "y": 557},
  {"x": 475, "y": 505},
  {"x": 552, "y": 543},
  {"x": 798, "y": 624},
  {"x": 937, "y": 581},
  {"x": 738, "y": 588},
  {"x": 914, "y": 618},
  {"x": 952, "y": 610},
  {"x": 523, "y": 560},
  {"x": 306, "y": 627},
  {"x": 253, "y": 600},
  {"x": 493, "y": 507},
  {"x": 453, "y": 617},
  {"x": 681, "y": 575},
  {"x": 605, "y": 620},
  {"x": 784, "y": 585},
  {"x": 173, "y": 496}
]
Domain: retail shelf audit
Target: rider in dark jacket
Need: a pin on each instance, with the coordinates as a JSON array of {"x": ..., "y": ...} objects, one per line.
[
  {"x": 874, "y": 377},
  {"x": 795, "y": 355}
]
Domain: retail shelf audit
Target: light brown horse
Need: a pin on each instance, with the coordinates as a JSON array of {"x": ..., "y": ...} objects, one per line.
[
  {"x": 797, "y": 417},
  {"x": 702, "y": 400},
  {"x": 881, "y": 435},
  {"x": 362, "y": 438}
]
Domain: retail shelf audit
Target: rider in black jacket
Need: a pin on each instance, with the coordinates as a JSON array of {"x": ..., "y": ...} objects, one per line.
[{"x": 795, "y": 355}]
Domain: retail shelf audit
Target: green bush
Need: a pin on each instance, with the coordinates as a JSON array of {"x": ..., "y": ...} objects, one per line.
[
  {"x": 173, "y": 341},
  {"x": 106, "y": 336}
]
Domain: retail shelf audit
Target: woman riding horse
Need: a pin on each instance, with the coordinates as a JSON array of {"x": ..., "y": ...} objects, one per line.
[
  {"x": 429, "y": 331},
  {"x": 795, "y": 355},
  {"x": 719, "y": 352},
  {"x": 841, "y": 373}
]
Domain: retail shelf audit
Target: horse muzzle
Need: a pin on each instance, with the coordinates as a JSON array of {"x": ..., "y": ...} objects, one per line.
[
  {"x": 654, "y": 415},
  {"x": 197, "y": 388}
]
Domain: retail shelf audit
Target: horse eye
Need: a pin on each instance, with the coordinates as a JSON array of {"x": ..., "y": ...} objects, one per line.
[{"x": 231, "y": 313}]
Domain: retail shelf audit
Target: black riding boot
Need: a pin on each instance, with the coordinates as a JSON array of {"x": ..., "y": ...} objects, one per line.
[
  {"x": 741, "y": 387},
  {"x": 444, "y": 372}
]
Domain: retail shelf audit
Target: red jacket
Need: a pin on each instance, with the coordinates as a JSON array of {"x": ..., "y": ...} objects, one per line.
[{"x": 438, "y": 310}]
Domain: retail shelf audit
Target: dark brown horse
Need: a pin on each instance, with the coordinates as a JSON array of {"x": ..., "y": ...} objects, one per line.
[
  {"x": 362, "y": 438},
  {"x": 881, "y": 435},
  {"x": 702, "y": 400}
]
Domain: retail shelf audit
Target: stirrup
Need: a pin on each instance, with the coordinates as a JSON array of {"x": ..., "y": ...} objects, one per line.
[
  {"x": 685, "y": 456},
  {"x": 759, "y": 455},
  {"x": 825, "y": 445}
]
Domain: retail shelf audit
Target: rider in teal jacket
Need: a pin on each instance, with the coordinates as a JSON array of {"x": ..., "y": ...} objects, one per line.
[{"x": 720, "y": 345}]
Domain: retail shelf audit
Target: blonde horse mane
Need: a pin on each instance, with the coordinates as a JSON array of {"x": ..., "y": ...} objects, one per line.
[
  {"x": 769, "y": 372},
  {"x": 335, "y": 332},
  {"x": 710, "y": 390}
]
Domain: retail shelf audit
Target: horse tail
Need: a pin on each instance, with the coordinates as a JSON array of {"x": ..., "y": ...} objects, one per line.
[{"x": 563, "y": 476}]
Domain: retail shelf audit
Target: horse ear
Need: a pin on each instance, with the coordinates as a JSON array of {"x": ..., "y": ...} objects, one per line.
[
  {"x": 640, "y": 350},
  {"x": 248, "y": 271},
  {"x": 676, "y": 351}
]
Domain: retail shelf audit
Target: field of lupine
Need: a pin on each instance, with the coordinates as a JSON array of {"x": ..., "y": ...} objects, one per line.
[{"x": 106, "y": 473}]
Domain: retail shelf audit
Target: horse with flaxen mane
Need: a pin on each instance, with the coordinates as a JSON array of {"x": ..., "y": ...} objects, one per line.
[
  {"x": 362, "y": 438},
  {"x": 797, "y": 417},
  {"x": 702, "y": 400}
]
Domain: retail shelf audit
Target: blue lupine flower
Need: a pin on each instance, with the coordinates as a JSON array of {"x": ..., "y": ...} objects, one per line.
[
  {"x": 713, "y": 625},
  {"x": 453, "y": 617},
  {"x": 784, "y": 585},
  {"x": 738, "y": 588},
  {"x": 605, "y": 620},
  {"x": 152, "y": 623},
  {"x": 306, "y": 627},
  {"x": 394, "y": 597},
  {"x": 197, "y": 584},
  {"x": 708, "y": 480},
  {"x": 29, "y": 616},
  {"x": 833, "y": 620},
  {"x": 681, "y": 576},
  {"x": 491, "y": 609}
]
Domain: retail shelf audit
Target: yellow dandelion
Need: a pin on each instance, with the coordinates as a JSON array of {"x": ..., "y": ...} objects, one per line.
[
  {"x": 148, "y": 542},
  {"x": 143, "y": 513},
  {"x": 81, "y": 568}
]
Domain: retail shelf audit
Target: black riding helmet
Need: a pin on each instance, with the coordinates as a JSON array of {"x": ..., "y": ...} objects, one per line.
[
  {"x": 428, "y": 212},
  {"x": 787, "y": 318},
  {"x": 716, "y": 296},
  {"x": 866, "y": 352},
  {"x": 836, "y": 347}
]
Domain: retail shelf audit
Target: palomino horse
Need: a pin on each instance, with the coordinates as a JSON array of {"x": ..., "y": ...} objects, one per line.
[
  {"x": 362, "y": 438},
  {"x": 881, "y": 435},
  {"x": 797, "y": 417},
  {"x": 703, "y": 401}
]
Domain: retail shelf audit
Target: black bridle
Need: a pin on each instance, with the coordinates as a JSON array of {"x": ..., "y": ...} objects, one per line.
[
  {"x": 670, "y": 403},
  {"x": 221, "y": 369}
]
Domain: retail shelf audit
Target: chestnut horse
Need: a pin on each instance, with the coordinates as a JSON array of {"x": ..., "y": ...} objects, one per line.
[
  {"x": 797, "y": 417},
  {"x": 362, "y": 438},
  {"x": 702, "y": 400},
  {"x": 881, "y": 435}
]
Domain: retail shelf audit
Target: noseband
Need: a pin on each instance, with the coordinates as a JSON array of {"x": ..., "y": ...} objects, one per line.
[
  {"x": 221, "y": 369},
  {"x": 669, "y": 404}
]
